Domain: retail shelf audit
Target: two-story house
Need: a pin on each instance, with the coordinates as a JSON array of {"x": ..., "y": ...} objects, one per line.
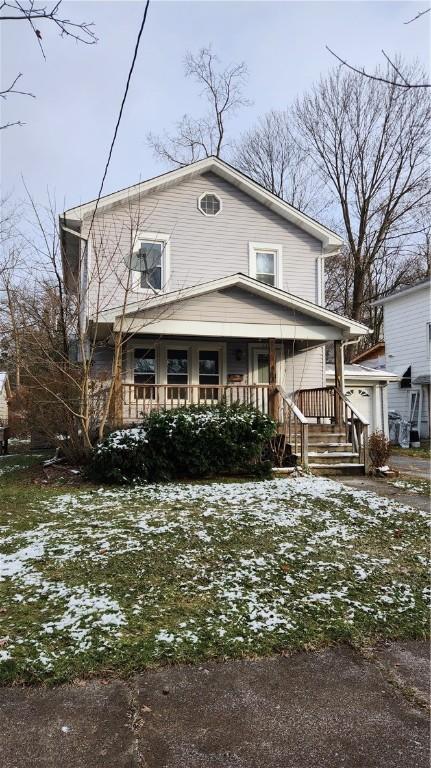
[
  {"x": 407, "y": 331},
  {"x": 215, "y": 288}
]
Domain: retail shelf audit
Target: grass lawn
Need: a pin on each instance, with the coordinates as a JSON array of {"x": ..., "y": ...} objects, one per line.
[
  {"x": 424, "y": 452},
  {"x": 107, "y": 581},
  {"x": 412, "y": 485}
]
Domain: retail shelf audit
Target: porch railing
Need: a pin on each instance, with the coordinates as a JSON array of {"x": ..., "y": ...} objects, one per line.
[
  {"x": 293, "y": 425},
  {"x": 331, "y": 405},
  {"x": 141, "y": 399}
]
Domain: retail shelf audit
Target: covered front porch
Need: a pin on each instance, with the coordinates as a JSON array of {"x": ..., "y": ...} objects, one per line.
[
  {"x": 163, "y": 374},
  {"x": 238, "y": 341}
]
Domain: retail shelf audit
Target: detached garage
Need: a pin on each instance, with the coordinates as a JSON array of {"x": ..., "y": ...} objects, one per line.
[{"x": 367, "y": 390}]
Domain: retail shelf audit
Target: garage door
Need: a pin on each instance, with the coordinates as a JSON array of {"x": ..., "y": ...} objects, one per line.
[{"x": 362, "y": 399}]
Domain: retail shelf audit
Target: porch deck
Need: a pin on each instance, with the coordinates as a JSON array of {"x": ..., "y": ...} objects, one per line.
[{"x": 338, "y": 430}]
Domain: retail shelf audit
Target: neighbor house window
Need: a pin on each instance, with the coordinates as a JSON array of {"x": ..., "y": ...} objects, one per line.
[
  {"x": 406, "y": 379},
  {"x": 265, "y": 263},
  {"x": 144, "y": 373},
  {"x": 209, "y": 204},
  {"x": 177, "y": 372}
]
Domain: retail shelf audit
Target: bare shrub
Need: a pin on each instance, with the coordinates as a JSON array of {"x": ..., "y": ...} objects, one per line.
[{"x": 379, "y": 449}]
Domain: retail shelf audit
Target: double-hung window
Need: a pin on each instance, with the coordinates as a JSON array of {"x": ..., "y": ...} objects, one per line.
[
  {"x": 150, "y": 260},
  {"x": 177, "y": 372},
  {"x": 209, "y": 374},
  {"x": 265, "y": 263},
  {"x": 150, "y": 257},
  {"x": 144, "y": 373}
]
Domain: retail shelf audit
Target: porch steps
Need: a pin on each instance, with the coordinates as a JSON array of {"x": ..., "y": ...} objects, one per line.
[
  {"x": 329, "y": 453},
  {"x": 331, "y": 457},
  {"x": 336, "y": 469}
]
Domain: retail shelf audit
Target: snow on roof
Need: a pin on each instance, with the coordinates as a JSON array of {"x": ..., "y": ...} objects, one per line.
[{"x": 364, "y": 372}]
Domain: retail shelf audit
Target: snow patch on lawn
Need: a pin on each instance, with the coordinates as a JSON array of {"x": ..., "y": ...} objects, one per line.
[{"x": 309, "y": 567}]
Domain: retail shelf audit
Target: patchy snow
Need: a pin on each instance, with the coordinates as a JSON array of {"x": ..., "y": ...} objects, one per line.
[{"x": 194, "y": 544}]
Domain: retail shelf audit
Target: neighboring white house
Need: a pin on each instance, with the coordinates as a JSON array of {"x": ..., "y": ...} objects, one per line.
[
  {"x": 407, "y": 331},
  {"x": 367, "y": 389},
  {"x": 5, "y": 395}
]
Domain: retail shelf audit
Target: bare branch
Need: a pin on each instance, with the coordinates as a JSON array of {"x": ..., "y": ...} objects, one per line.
[
  {"x": 82, "y": 32},
  {"x": 418, "y": 15},
  {"x": 12, "y": 90},
  {"x": 404, "y": 84}
]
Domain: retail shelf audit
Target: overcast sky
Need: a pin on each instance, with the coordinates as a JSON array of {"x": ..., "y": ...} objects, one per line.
[{"x": 68, "y": 128}]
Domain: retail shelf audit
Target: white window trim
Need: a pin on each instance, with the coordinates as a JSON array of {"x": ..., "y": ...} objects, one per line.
[
  {"x": 130, "y": 357},
  {"x": 155, "y": 237},
  {"x": 161, "y": 347},
  {"x": 428, "y": 340},
  {"x": 210, "y": 215},
  {"x": 276, "y": 248}
]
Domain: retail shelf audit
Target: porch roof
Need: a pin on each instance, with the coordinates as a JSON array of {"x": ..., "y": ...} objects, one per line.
[{"x": 329, "y": 325}]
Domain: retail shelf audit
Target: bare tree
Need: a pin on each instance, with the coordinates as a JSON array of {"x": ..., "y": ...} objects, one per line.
[
  {"x": 195, "y": 138},
  {"x": 271, "y": 154},
  {"x": 36, "y": 15},
  {"x": 370, "y": 143},
  {"x": 396, "y": 75},
  {"x": 53, "y": 323}
]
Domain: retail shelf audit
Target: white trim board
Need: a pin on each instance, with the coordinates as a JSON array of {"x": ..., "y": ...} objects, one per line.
[
  {"x": 227, "y": 330},
  {"x": 347, "y": 326},
  {"x": 331, "y": 242}
]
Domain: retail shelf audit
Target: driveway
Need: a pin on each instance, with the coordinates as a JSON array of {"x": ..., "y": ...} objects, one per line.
[
  {"x": 409, "y": 465},
  {"x": 328, "y": 709}
]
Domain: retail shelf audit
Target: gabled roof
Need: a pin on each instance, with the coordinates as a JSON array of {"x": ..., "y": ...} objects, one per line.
[
  {"x": 375, "y": 350},
  {"x": 364, "y": 373},
  {"x": 330, "y": 241},
  {"x": 4, "y": 383},
  {"x": 277, "y": 295},
  {"x": 403, "y": 292}
]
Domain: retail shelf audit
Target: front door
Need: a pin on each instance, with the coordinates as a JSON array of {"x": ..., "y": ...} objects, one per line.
[
  {"x": 260, "y": 367},
  {"x": 259, "y": 374},
  {"x": 259, "y": 364}
]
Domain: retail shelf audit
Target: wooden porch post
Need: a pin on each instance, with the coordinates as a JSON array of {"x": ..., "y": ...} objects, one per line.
[
  {"x": 272, "y": 380},
  {"x": 117, "y": 393},
  {"x": 339, "y": 377}
]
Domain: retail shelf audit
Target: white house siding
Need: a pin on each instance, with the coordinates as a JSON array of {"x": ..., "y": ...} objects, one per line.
[
  {"x": 406, "y": 338},
  {"x": 201, "y": 248},
  {"x": 3, "y": 406},
  {"x": 4, "y": 390}
]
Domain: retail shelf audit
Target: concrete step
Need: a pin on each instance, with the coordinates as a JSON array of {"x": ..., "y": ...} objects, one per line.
[
  {"x": 333, "y": 457},
  {"x": 336, "y": 469}
]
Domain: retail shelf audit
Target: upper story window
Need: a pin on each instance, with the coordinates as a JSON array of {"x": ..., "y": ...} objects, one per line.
[
  {"x": 150, "y": 255},
  {"x": 151, "y": 261},
  {"x": 265, "y": 263},
  {"x": 209, "y": 204}
]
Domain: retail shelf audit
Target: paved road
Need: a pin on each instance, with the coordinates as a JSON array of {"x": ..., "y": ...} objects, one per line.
[{"x": 332, "y": 709}]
